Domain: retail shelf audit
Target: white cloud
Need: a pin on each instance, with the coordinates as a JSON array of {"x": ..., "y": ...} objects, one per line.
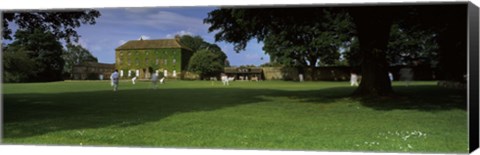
[
  {"x": 121, "y": 42},
  {"x": 144, "y": 37},
  {"x": 181, "y": 33}
]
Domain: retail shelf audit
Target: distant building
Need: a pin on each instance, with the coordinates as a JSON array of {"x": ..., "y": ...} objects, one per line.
[
  {"x": 92, "y": 71},
  {"x": 142, "y": 58},
  {"x": 241, "y": 73}
]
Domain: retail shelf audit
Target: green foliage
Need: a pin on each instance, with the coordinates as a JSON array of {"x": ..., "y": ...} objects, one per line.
[
  {"x": 44, "y": 50},
  {"x": 311, "y": 43},
  {"x": 62, "y": 24},
  {"x": 406, "y": 46},
  {"x": 207, "y": 63},
  {"x": 195, "y": 43},
  {"x": 352, "y": 52},
  {"x": 411, "y": 46},
  {"x": 271, "y": 64},
  {"x": 17, "y": 66},
  {"x": 75, "y": 55}
]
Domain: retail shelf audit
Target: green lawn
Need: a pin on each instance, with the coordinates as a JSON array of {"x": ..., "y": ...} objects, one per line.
[{"x": 269, "y": 115}]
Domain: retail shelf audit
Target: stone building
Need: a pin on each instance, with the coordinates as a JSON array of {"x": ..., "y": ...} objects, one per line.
[
  {"x": 92, "y": 71},
  {"x": 241, "y": 73},
  {"x": 142, "y": 58}
]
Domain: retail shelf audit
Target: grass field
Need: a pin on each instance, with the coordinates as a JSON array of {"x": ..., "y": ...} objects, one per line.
[{"x": 268, "y": 115}]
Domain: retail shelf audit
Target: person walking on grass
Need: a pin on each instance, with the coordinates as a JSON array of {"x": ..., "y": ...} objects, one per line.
[{"x": 114, "y": 80}]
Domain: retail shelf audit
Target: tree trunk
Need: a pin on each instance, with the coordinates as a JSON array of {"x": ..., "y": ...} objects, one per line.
[
  {"x": 453, "y": 46},
  {"x": 313, "y": 69},
  {"x": 373, "y": 30}
]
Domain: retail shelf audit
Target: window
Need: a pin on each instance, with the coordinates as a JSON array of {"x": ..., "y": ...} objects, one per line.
[
  {"x": 174, "y": 61},
  {"x": 156, "y": 62}
]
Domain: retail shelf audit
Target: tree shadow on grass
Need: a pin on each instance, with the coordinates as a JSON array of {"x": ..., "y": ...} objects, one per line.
[
  {"x": 27, "y": 115},
  {"x": 420, "y": 97}
]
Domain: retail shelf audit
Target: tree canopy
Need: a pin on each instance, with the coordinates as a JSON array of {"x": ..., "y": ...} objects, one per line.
[
  {"x": 41, "y": 48},
  {"x": 36, "y": 42},
  {"x": 372, "y": 31},
  {"x": 207, "y": 63},
  {"x": 61, "y": 24},
  {"x": 196, "y": 43}
]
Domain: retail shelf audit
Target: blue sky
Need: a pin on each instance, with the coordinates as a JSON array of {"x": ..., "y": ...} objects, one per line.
[{"x": 118, "y": 25}]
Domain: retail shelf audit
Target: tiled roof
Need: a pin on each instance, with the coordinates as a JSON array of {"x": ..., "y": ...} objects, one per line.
[{"x": 151, "y": 44}]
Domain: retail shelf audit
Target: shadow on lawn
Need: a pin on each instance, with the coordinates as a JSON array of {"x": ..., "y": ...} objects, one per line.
[
  {"x": 28, "y": 115},
  {"x": 420, "y": 97}
]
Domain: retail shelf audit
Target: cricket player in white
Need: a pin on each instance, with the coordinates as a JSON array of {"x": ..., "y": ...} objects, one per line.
[
  {"x": 114, "y": 78},
  {"x": 353, "y": 79},
  {"x": 134, "y": 79}
]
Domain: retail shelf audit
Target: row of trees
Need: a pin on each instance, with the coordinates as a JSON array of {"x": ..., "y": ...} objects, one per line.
[
  {"x": 36, "y": 53},
  {"x": 370, "y": 37}
]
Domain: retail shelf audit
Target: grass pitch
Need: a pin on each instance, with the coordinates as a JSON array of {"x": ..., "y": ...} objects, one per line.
[{"x": 318, "y": 116}]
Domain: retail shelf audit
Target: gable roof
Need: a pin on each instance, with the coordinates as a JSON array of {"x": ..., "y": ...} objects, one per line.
[{"x": 151, "y": 44}]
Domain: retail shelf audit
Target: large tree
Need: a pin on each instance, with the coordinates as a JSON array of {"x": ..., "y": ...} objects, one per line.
[
  {"x": 373, "y": 25},
  {"x": 62, "y": 24},
  {"x": 43, "y": 49},
  {"x": 372, "y": 28},
  {"x": 193, "y": 42},
  {"x": 17, "y": 66},
  {"x": 38, "y": 34},
  {"x": 196, "y": 43},
  {"x": 412, "y": 47},
  {"x": 207, "y": 63},
  {"x": 310, "y": 44}
]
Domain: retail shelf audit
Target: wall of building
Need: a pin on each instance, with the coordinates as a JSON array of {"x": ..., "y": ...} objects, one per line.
[
  {"x": 152, "y": 60},
  {"x": 92, "y": 71},
  {"x": 341, "y": 73}
]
